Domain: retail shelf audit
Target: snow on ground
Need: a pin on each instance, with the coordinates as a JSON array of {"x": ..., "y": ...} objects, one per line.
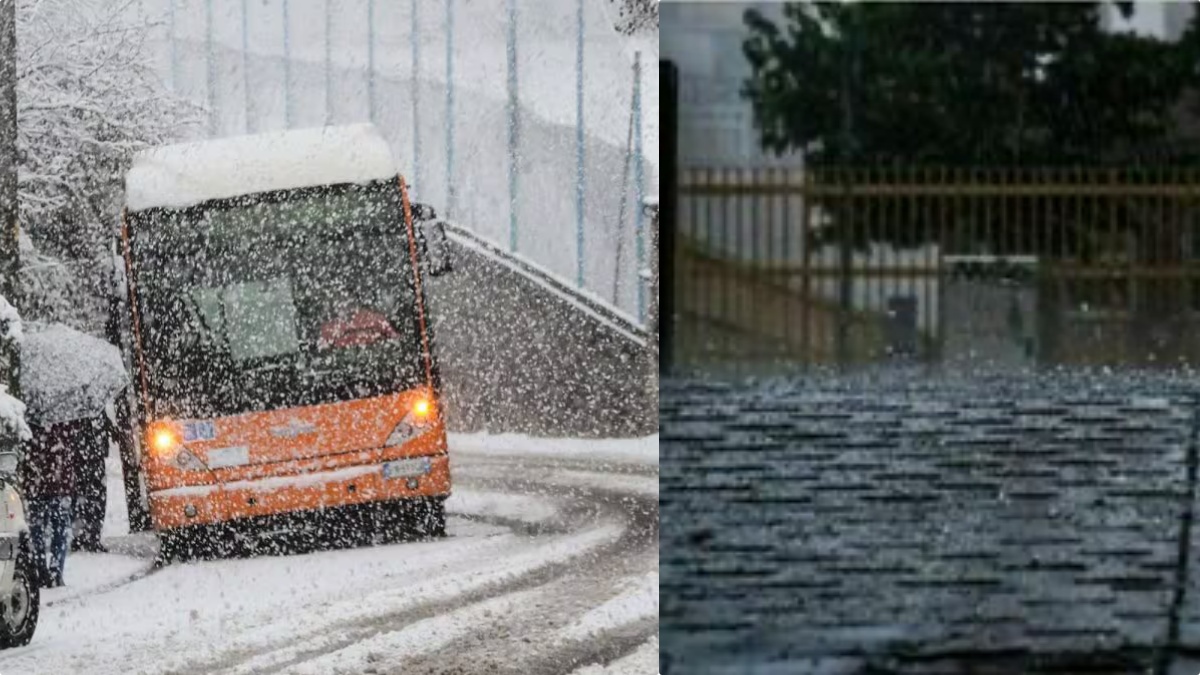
[
  {"x": 641, "y": 662},
  {"x": 638, "y": 600},
  {"x": 91, "y": 572},
  {"x": 618, "y": 450},
  {"x": 644, "y": 485},
  {"x": 187, "y": 613},
  {"x": 421, "y": 637},
  {"x": 500, "y": 505},
  {"x": 332, "y": 611}
]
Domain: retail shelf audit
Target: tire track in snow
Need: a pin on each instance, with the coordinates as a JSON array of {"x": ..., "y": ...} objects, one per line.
[{"x": 567, "y": 586}]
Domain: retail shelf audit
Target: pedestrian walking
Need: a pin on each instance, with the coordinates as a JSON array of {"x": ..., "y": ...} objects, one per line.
[
  {"x": 48, "y": 480},
  {"x": 91, "y": 449}
]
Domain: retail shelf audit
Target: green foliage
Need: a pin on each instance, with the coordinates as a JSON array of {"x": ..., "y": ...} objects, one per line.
[{"x": 962, "y": 83}]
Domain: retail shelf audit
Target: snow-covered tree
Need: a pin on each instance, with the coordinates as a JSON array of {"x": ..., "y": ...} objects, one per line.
[
  {"x": 86, "y": 101},
  {"x": 637, "y": 15},
  {"x": 12, "y": 412}
]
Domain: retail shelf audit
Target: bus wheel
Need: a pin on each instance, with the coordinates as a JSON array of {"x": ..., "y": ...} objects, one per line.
[
  {"x": 429, "y": 519},
  {"x": 184, "y": 545},
  {"x": 19, "y": 612}
]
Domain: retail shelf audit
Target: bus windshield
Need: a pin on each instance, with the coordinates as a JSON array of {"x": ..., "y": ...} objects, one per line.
[{"x": 277, "y": 301}]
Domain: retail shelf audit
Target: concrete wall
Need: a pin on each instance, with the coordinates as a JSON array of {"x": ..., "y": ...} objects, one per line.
[{"x": 521, "y": 351}]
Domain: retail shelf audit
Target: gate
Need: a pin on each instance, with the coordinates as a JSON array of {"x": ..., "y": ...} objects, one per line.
[{"x": 999, "y": 266}]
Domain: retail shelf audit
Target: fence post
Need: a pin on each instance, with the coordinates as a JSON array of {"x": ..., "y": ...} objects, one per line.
[
  {"x": 668, "y": 78},
  {"x": 371, "y": 60},
  {"x": 246, "y": 65},
  {"x": 655, "y": 322},
  {"x": 579, "y": 146},
  {"x": 174, "y": 46},
  {"x": 211, "y": 75},
  {"x": 639, "y": 182},
  {"x": 513, "y": 125},
  {"x": 415, "y": 27},
  {"x": 449, "y": 108},
  {"x": 328, "y": 63},
  {"x": 287, "y": 68},
  {"x": 845, "y": 212}
]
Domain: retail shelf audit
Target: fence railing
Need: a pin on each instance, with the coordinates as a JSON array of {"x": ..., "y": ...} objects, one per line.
[{"x": 1003, "y": 266}]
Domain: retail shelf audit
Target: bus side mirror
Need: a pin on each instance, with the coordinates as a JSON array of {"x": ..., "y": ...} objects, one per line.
[{"x": 435, "y": 248}]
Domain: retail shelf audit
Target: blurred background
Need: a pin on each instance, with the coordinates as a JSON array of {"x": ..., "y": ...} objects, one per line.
[{"x": 1002, "y": 186}]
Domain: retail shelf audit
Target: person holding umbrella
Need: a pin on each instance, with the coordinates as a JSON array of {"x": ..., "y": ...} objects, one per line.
[
  {"x": 68, "y": 378},
  {"x": 48, "y": 480}
]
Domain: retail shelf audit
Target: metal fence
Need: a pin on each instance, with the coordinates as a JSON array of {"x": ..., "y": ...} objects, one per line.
[
  {"x": 521, "y": 119},
  {"x": 990, "y": 266}
]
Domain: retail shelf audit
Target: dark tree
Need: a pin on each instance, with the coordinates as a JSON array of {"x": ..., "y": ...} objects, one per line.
[
  {"x": 962, "y": 83},
  {"x": 994, "y": 87}
]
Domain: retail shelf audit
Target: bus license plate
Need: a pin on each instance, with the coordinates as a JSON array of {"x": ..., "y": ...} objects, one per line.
[{"x": 406, "y": 468}]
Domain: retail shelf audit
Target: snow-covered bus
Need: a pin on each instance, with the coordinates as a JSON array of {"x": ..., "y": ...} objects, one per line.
[{"x": 278, "y": 336}]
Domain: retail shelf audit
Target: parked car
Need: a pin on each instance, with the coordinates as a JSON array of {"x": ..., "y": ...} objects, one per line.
[
  {"x": 19, "y": 582},
  {"x": 19, "y": 596}
]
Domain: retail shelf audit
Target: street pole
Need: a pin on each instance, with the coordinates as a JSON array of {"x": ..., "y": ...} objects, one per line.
[
  {"x": 668, "y": 77},
  {"x": 9, "y": 248},
  {"x": 846, "y": 233}
]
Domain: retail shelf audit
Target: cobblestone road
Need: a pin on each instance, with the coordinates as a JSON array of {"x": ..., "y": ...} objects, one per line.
[{"x": 952, "y": 526}]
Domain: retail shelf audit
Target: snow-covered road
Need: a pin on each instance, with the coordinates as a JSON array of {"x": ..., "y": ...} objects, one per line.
[{"x": 550, "y": 566}]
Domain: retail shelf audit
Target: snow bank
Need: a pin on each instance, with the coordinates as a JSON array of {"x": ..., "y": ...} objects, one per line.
[
  {"x": 642, "y": 451},
  {"x": 186, "y": 174}
]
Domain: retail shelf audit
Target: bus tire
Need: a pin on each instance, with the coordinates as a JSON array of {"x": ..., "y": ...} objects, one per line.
[
  {"x": 19, "y": 611},
  {"x": 184, "y": 545},
  {"x": 429, "y": 519}
]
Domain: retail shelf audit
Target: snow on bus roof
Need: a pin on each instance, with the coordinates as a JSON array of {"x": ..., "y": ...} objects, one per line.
[{"x": 182, "y": 175}]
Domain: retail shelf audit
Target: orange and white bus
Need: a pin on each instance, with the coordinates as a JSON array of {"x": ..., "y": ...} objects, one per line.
[{"x": 279, "y": 337}]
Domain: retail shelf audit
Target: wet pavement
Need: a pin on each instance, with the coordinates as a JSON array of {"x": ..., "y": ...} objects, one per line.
[{"x": 876, "y": 525}]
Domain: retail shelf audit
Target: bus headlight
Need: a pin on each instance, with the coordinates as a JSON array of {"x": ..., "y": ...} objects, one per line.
[
  {"x": 163, "y": 438},
  {"x": 415, "y": 423}
]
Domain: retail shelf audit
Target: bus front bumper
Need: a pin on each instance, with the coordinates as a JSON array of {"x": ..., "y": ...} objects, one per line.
[{"x": 210, "y": 504}]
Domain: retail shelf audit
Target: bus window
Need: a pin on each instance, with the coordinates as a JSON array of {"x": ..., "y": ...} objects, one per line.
[{"x": 295, "y": 301}]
